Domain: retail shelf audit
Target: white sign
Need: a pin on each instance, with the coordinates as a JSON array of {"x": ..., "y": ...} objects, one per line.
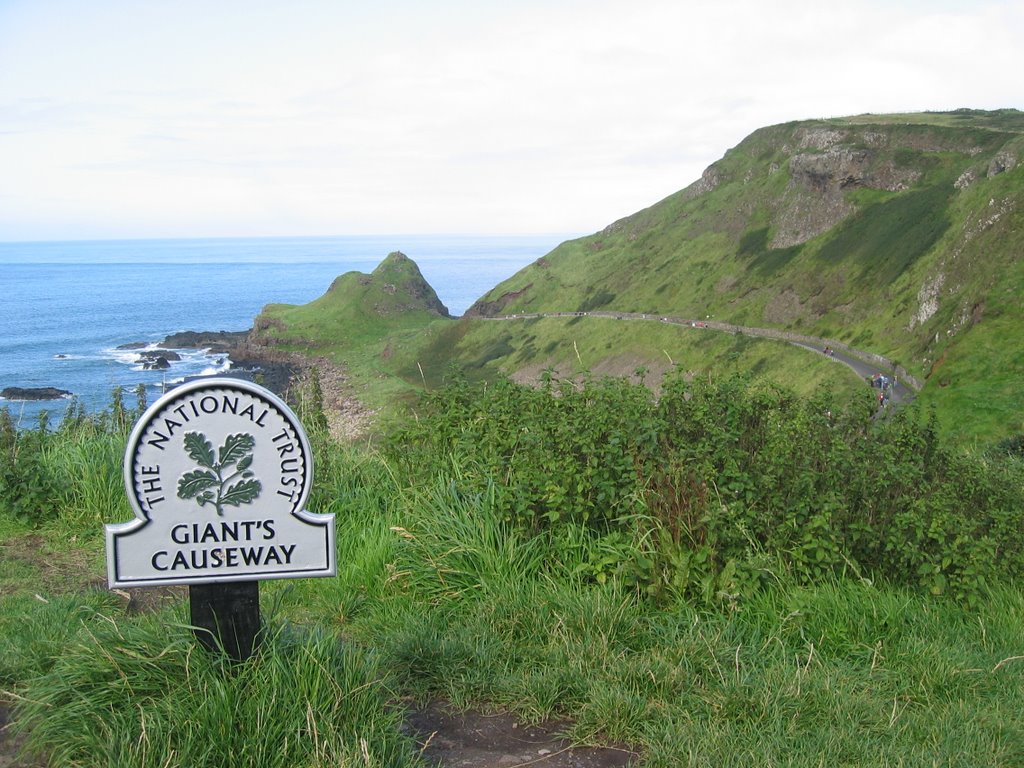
[{"x": 218, "y": 472}]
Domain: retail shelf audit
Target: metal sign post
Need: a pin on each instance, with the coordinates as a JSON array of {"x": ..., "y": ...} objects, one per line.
[{"x": 218, "y": 472}]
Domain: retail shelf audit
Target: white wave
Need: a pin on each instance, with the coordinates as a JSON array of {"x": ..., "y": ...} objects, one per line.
[
  {"x": 128, "y": 357},
  {"x": 213, "y": 370},
  {"x": 190, "y": 364}
]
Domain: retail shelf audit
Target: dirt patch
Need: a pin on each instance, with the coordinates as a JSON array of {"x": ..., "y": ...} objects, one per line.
[
  {"x": 56, "y": 570},
  {"x": 348, "y": 419},
  {"x": 283, "y": 372},
  {"x": 785, "y": 308},
  {"x": 151, "y": 599},
  {"x": 9, "y": 745},
  {"x": 613, "y": 366},
  {"x": 530, "y": 375},
  {"x": 472, "y": 739},
  {"x": 626, "y": 366}
]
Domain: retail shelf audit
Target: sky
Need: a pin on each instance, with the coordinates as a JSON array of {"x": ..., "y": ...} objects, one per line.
[{"x": 139, "y": 118}]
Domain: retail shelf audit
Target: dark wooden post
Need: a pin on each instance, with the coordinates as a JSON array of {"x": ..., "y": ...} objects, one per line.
[{"x": 227, "y": 615}]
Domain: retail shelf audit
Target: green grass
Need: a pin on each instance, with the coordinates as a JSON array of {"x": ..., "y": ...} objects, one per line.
[
  {"x": 844, "y": 672},
  {"x": 728, "y": 690},
  {"x": 1001, "y": 119},
  {"x": 903, "y": 228},
  {"x": 976, "y": 389},
  {"x": 439, "y": 596}
]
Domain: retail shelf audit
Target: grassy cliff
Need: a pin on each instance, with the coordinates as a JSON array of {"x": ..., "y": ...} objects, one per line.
[
  {"x": 899, "y": 235},
  {"x": 363, "y": 322}
]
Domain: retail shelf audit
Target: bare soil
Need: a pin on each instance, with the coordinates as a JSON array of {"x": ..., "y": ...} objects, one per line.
[
  {"x": 476, "y": 739},
  {"x": 9, "y": 746}
]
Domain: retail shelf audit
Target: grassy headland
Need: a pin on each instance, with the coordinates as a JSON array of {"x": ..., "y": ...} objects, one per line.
[{"x": 900, "y": 235}]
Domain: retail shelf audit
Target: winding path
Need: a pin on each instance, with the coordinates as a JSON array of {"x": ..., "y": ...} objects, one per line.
[{"x": 864, "y": 364}]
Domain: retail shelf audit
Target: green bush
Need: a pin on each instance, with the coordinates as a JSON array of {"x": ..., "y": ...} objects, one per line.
[
  {"x": 719, "y": 484},
  {"x": 28, "y": 489},
  {"x": 73, "y": 470},
  {"x": 562, "y": 453}
]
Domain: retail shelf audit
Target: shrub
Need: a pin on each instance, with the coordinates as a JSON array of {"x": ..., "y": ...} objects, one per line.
[
  {"x": 27, "y": 487},
  {"x": 719, "y": 483}
]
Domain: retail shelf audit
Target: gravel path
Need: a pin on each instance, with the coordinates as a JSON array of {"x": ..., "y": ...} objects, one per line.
[{"x": 865, "y": 364}]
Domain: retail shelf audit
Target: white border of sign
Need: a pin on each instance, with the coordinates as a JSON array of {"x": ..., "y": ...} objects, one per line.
[{"x": 279, "y": 540}]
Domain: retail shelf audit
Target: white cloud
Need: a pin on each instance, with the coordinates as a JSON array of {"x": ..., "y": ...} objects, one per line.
[{"x": 128, "y": 119}]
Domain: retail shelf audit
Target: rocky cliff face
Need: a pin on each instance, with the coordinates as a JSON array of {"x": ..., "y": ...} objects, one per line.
[{"x": 827, "y": 165}]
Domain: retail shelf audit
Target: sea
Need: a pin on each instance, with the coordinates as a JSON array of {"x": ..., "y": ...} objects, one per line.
[{"x": 69, "y": 308}]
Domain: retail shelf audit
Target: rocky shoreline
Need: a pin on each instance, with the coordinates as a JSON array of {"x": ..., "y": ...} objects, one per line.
[
  {"x": 277, "y": 370},
  {"x": 248, "y": 361},
  {"x": 213, "y": 341},
  {"x": 281, "y": 372}
]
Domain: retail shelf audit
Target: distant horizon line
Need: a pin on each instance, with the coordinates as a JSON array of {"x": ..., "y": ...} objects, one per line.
[{"x": 369, "y": 235}]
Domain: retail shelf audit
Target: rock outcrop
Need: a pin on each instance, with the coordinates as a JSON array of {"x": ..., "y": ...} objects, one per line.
[
  {"x": 215, "y": 341},
  {"x": 34, "y": 393}
]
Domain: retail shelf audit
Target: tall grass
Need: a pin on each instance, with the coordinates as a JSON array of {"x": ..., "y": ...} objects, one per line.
[
  {"x": 88, "y": 475},
  {"x": 839, "y": 672},
  {"x": 458, "y": 546},
  {"x": 799, "y": 678},
  {"x": 143, "y": 693},
  {"x": 73, "y": 473}
]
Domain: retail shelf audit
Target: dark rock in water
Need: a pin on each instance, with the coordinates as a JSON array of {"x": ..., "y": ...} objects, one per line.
[
  {"x": 215, "y": 341},
  {"x": 33, "y": 393},
  {"x": 158, "y": 361},
  {"x": 246, "y": 361}
]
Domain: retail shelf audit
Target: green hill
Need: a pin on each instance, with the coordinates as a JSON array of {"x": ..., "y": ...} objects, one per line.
[
  {"x": 898, "y": 235},
  {"x": 356, "y": 309},
  {"x": 361, "y": 322}
]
